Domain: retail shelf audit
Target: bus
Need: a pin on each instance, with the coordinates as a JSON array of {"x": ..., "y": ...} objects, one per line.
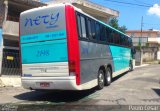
[{"x": 63, "y": 48}]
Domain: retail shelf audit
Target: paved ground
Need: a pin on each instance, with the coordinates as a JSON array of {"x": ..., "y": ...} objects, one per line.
[{"x": 139, "y": 87}]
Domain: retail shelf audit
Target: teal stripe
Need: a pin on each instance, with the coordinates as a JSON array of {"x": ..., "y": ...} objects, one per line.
[
  {"x": 121, "y": 57},
  {"x": 44, "y": 52},
  {"x": 43, "y": 36}
]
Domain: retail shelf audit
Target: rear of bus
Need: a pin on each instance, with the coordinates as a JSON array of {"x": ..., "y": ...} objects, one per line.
[{"x": 49, "y": 48}]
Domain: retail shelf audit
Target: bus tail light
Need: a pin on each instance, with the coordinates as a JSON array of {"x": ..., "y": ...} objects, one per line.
[{"x": 72, "y": 66}]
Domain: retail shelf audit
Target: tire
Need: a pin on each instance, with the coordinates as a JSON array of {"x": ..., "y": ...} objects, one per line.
[
  {"x": 130, "y": 66},
  {"x": 100, "y": 80},
  {"x": 108, "y": 77}
]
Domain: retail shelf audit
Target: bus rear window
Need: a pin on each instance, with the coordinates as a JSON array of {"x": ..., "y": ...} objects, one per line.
[{"x": 43, "y": 24}]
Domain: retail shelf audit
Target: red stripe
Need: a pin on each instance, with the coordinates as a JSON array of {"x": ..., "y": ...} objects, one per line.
[{"x": 72, "y": 38}]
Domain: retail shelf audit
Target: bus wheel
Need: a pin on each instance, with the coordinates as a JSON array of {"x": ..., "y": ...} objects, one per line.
[
  {"x": 100, "y": 79},
  {"x": 108, "y": 77},
  {"x": 130, "y": 66}
]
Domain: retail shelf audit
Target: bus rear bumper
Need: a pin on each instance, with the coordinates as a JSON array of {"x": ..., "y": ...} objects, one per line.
[{"x": 55, "y": 83}]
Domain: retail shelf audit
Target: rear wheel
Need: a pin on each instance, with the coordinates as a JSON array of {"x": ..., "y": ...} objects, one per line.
[
  {"x": 100, "y": 79},
  {"x": 108, "y": 77}
]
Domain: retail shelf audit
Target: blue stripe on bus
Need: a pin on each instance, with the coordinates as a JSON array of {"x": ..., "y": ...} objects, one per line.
[
  {"x": 44, "y": 52},
  {"x": 121, "y": 57},
  {"x": 43, "y": 36}
]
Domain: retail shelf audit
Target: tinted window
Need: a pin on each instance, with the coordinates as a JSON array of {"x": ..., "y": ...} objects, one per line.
[
  {"x": 116, "y": 39},
  {"x": 130, "y": 42},
  {"x": 109, "y": 35},
  {"x": 97, "y": 31},
  {"x": 79, "y": 25},
  {"x": 125, "y": 41},
  {"x": 83, "y": 27},
  {"x": 89, "y": 28},
  {"x": 122, "y": 40},
  {"x": 93, "y": 29},
  {"x": 103, "y": 33}
]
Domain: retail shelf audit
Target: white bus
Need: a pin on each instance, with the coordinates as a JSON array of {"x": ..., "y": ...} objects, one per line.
[{"x": 63, "y": 48}]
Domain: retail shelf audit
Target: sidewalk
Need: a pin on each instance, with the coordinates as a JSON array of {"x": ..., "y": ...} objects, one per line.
[
  {"x": 10, "y": 81},
  {"x": 143, "y": 65}
]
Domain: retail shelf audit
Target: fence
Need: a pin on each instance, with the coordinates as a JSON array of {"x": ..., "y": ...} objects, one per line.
[
  {"x": 137, "y": 40},
  {"x": 10, "y": 62}
]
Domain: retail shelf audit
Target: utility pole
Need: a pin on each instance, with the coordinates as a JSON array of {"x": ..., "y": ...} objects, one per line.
[{"x": 140, "y": 40}]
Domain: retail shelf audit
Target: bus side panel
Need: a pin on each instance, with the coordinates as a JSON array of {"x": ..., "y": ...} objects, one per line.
[
  {"x": 93, "y": 56},
  {"x": 121, "y": 57}
]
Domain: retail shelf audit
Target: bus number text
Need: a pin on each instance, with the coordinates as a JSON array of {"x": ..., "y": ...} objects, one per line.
[{"x": 42, "y": 53}]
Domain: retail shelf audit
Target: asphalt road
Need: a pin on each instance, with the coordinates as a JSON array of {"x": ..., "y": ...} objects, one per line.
[{"x": 139, "y": 87}]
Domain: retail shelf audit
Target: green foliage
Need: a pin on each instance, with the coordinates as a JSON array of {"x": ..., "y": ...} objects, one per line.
[
  {"x": 123, "y": 29},
  {"x": 114, "y": 23}
]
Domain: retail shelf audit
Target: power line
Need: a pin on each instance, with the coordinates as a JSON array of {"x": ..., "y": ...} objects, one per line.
[
  {"x": 142, "y": 2},
  {"x": 151, "y": 24},
  {"x": 128, "y": 3}
]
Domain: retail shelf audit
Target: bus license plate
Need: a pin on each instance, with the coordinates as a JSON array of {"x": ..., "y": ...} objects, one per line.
[{"x": 44, "y": 84}]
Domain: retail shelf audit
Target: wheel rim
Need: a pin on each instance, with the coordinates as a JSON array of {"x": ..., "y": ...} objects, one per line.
[
  {"x": 109, "y": 76},
  {"x": 101, "y": 80}
]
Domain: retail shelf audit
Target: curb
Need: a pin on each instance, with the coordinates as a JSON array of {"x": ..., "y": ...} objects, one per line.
[{"x": 143, "y": 65}]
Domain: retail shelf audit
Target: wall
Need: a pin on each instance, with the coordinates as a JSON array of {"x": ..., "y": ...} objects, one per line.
[
  {"x": 148, "y": 54},
  {"x": 2, "y": 12},
  {"x": 158, "y": 55},
  {"x": 144, "y": 33},
  {"x": 137, "y": 57}
]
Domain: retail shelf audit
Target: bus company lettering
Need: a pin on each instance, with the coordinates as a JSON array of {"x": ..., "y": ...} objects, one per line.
[{"x": 48, "y": 20}]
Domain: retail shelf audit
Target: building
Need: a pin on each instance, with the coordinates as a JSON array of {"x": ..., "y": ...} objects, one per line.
[
  {"x": 149, "y": 41},
  {"x": 146, "y": 37},
  {"x": 9, "y": 27}
]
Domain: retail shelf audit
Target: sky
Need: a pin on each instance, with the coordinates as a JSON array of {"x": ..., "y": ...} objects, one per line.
[{"x": 131, "y": 15}]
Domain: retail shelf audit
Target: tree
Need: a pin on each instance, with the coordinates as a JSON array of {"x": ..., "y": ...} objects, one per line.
[
  {"x": 123, "y": 28},
  {"x": 114, "y": 23}
]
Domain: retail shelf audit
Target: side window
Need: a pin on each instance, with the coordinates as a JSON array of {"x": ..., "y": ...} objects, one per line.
[
  {"x": 93, "y": 29},
  {"x": 89, "y": 28},
  {"x": 103, "y": 34},
  {"x": 97, "y": 31},
  {"x": 109, "y": 35},
  {"x": 79, "y": 25},
  {"x": 116, "y": 38},
  {"x": 130, "y": 42},
  {"x": 121, "y": 39},
  {"x": 83, "y": 27},
  {"x": 126, "y": 41},
  {"x": 113, "y": 37}
]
